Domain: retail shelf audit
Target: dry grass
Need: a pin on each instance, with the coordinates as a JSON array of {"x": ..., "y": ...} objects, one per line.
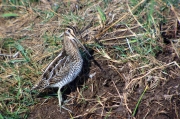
[{"x": 127, "y": 35}]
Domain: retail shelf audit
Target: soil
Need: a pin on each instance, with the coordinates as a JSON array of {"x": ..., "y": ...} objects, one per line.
[
  {"x": 101, "y": 96},
  {"x": 99, "y": 92}
]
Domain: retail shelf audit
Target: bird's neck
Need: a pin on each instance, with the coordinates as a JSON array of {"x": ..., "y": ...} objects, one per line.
[{"x": 72, "y": 49}]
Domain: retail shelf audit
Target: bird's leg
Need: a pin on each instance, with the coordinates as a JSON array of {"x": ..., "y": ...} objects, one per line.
[
  {"x": 60, "y": 100},
  {"x": 59, "y": 97}
]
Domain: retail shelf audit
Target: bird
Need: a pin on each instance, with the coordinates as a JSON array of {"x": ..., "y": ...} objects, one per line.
[{"x": 65, "y": 67}]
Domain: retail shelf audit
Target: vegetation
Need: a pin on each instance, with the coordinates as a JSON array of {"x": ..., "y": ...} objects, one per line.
[{"x": 141, "y": 36}]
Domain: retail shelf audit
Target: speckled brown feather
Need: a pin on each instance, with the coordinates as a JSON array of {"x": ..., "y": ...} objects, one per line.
[{"x": 61, "y": 69}]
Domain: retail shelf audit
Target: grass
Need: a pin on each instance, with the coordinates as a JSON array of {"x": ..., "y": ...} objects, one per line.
[
  {"x": 125, "y": 33},
  {"x": 140, "y": 98}
]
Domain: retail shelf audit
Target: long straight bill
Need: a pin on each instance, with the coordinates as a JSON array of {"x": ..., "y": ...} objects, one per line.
[
  {"x": 76, "y": 39},
  {"x": 83, "y": 46}
]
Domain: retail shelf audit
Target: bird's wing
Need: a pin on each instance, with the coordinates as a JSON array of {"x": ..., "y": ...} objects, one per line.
[
  {"x": 57, "y": 64},
  {"x": 57, "y": 69}
]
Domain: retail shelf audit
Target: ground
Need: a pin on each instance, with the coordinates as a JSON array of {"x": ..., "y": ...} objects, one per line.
[
  {"x": 133, "y": 71},
  {"x": 102, "y": 97}
]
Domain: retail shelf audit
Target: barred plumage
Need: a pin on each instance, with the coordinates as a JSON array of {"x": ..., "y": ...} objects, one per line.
[{"x": 65, "y": 67}]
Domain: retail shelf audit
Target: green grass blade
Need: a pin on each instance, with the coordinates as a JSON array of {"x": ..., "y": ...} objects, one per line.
[
  {"x": 102, "y": 15},
  {"x": 22, "y": 50},
  {"x": 135, "y": 110},
  {"x": 1, "y": 117},
  {"x": 6, "y": 15}
]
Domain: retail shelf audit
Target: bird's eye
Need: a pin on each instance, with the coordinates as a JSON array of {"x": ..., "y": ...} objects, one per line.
[{"x": 69, "y": 30}]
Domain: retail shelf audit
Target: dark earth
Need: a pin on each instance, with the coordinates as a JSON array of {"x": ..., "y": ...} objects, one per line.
[
  {"x": 101, "y": 95},
  {"x": 100, "y": 91}
]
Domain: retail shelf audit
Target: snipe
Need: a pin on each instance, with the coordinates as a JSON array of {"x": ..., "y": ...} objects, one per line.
[{"x": 65, "y": 67}]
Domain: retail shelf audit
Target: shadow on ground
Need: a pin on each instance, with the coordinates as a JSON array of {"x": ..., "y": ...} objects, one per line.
[{"x": 101, "y": 96}]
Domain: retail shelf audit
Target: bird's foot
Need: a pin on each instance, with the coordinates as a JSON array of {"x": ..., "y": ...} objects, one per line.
[
  {"x": 60, "y": 101},
  {"x": 61, "y": 106},
  {"x": 65, "y": 109}
]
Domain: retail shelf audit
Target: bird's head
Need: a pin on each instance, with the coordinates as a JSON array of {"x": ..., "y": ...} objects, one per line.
[{"x": 70, "y": 35}]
